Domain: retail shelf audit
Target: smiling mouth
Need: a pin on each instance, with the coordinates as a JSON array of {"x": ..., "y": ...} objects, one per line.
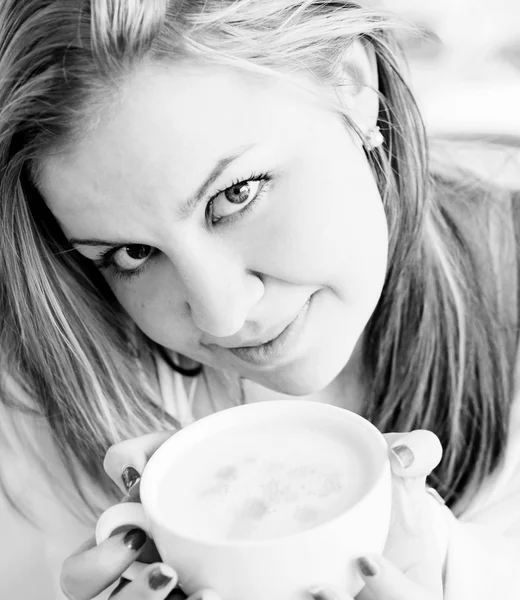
[
  {"x": 249, "y": 345},
  {"x": 277, "y": 347},
  {"x": 270, "y": 341}
]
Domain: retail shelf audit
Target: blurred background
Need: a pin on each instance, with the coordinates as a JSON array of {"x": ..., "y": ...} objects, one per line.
[{"x": 465, "y": 70}]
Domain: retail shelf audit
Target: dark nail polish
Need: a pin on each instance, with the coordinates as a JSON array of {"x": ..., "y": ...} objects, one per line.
[
  {"x": 367, "y": 567},
  {"x": 319, "y": 596},
  {"x": 404, "y": 455},
  {"x": 158, "y": 580},
  {"x": 135, "y": 539},
  {"x": 177, "y": 594},
  {"x": 130, "y": 477}
]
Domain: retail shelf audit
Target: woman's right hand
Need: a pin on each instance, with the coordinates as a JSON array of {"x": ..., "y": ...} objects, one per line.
[{"x": 93, "y": 568}]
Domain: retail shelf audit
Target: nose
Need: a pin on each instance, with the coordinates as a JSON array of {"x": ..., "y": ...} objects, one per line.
[{"x": 218, "y": 289}]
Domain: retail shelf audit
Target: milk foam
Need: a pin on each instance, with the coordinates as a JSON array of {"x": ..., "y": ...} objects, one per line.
[{"x": 264, "y": 482}]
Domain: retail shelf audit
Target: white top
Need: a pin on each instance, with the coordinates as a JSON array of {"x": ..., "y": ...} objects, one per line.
[{"x": 483, "y": 546}]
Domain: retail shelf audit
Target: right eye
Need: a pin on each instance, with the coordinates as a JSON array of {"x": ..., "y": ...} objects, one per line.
[
  {"x": 126, "y": 259},
  {"x": 130, "y": 258}
]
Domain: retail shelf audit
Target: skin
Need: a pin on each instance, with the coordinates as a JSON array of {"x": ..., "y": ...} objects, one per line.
[
  {"x": 410, "y": 570},
  {"x": 318, "y": 230},
  {"x": 318, "y": 227}
]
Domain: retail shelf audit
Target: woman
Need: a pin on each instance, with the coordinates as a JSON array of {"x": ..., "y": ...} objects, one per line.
[{"x": 181, "y": 182}]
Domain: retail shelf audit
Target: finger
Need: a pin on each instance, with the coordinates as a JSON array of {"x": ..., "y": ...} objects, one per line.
[
  {"x": 328, "y": 593},
  {"x": 414, "y": 454},
  {"x": 205, "y": 595},
  {"x": 87, "y": 545},
  {"x": 88, "y": 572},
  {"x": 124, "y": 462},
  {"x": 122, "y": 584},
  {"x": 411, "y": 544},
  {"x": 177, "y": 594},
  {"x": 154, "y": 583},
  {"x": 385, "y": 582},
  {"x": 419, "y": 561}
]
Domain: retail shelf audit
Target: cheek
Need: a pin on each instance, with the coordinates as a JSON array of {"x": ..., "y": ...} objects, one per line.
[
  {"x": 326, "y": 225},
  {"x": 152, "y": 305}
]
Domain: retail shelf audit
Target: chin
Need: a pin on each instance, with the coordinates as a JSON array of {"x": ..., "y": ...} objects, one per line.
[{"x": 302, "y": 380}]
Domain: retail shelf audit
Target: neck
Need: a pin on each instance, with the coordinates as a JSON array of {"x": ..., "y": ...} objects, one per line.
[{"x": 347, "y": 390}]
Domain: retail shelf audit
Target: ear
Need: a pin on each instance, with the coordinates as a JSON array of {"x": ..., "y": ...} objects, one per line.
[{"x": 358, "y": 92}]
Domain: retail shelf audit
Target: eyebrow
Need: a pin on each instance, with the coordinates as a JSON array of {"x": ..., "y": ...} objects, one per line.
[{"x": 190, "y": 205}]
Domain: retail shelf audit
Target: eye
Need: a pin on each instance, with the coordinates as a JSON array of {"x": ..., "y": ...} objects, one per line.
[
  {"x": 132, "y": 257},
  {"x": 234, "y": 198}
]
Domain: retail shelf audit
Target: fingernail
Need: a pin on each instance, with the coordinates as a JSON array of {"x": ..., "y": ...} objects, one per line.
[
  {"x": 130, "y": 477},
  {"x": 135, "y": 539},
  {"x": 160, "y": 577},
  {"x": 404, "y": 455},
  {"x": 367, "y": 566}
]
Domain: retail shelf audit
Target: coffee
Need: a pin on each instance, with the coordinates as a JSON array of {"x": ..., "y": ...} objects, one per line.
[{"x": 265, "y": 481}]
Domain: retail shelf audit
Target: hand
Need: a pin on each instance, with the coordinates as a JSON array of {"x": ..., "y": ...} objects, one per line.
[
  {"x": 411, "y": 568},
  {"x": 93, "y": 569}
]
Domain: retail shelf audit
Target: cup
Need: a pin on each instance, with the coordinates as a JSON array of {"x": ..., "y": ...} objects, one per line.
[{"x": 265, "y": 500}]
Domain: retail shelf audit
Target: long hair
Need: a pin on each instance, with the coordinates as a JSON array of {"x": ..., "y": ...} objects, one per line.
[{"x": 433, "y": 347}]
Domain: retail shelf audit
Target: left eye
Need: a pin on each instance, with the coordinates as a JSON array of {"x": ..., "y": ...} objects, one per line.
[{"x": 234, "y": 198}]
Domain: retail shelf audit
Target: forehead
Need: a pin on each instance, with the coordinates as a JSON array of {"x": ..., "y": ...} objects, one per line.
[{"x": 170, "y": 125}]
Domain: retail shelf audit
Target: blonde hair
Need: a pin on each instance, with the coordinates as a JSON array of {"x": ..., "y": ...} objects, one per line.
[{"x": 433, "y": 351}]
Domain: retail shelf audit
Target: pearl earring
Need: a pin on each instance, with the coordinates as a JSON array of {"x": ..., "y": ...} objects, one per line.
[{"x": 374, "y": 138}]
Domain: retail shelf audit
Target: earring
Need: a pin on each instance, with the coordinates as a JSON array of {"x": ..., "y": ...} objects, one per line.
[{"x": 374, "y": 138}]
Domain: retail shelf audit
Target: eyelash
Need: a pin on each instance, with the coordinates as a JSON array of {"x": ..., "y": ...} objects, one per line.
[
  {"x": 266, "y": 178},
  {"x": 106, "y": 262}
]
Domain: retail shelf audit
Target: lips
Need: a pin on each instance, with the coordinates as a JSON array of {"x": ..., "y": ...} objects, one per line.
[
  {"x": 237, "y": 343},
  {"x": 256, "y": 343},
  {"x": 278, "y": 348},
  {"x": 261, "y": 341}
]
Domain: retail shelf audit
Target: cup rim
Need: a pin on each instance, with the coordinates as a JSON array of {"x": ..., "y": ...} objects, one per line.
[{"x": 219, "y": 421}]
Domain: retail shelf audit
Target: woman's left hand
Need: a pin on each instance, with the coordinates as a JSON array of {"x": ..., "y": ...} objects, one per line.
[{"x": 412, "y": 565}]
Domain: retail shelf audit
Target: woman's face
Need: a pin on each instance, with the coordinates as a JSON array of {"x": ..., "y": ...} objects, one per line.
[{"x": 225, "y": 211}]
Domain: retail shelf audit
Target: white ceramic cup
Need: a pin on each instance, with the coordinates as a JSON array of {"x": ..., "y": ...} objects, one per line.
[{"x": 282, "y": 568}]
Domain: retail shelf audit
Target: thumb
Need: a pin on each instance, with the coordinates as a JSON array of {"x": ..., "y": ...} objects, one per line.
[
  {"x": 328, "y": 593},
  {"x": 415, "y": 454},
  {"x": 384, "y": 581}
]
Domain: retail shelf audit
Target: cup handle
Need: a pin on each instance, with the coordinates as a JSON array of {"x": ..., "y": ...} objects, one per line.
[{"x": 123, "y": 515}]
